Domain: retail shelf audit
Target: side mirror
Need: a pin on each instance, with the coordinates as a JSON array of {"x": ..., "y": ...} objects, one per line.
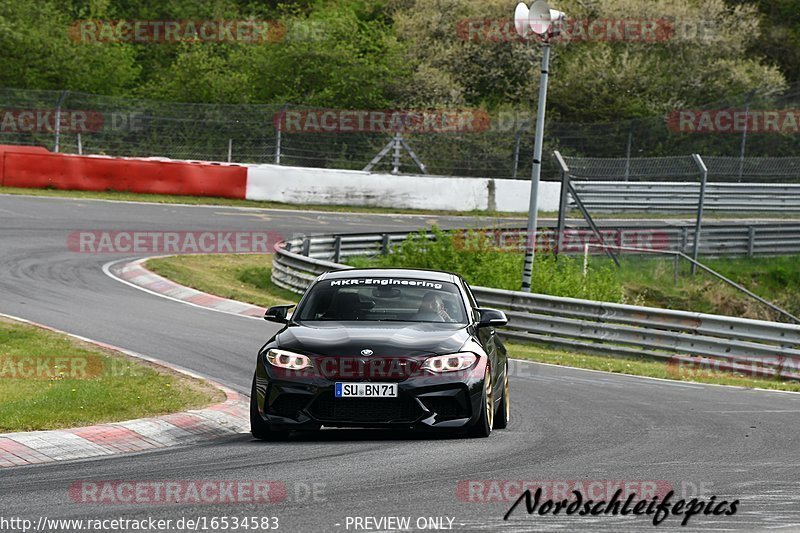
[
  {"x": 277, "y": 313},
  {"x": 491, "y": 317}
]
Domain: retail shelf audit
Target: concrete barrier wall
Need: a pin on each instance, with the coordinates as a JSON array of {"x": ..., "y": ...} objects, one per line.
[
  {"x": 37, "y": 168},
  {"x": 301, "y": 185},
  {"x": 514, "y": 195}
]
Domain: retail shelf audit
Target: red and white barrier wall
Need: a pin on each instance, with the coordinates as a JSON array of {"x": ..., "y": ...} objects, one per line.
[{"x": 34, "y": 167}]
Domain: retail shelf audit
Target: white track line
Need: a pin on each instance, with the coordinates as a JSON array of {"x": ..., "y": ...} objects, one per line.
[{"x": 107, "y": 272}]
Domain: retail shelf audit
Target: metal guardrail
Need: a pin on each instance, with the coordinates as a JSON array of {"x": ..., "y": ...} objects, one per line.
[
  {"x": 584, "y": 325},
  {"x": 753, "y": 239},
  {"x": 681, "y": 197}
]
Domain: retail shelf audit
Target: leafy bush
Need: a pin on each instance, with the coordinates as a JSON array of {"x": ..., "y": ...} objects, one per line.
[{"x": 481, "y": 262}]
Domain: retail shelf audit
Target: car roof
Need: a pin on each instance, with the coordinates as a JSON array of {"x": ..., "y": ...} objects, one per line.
[{"x": 415, "y": 273}]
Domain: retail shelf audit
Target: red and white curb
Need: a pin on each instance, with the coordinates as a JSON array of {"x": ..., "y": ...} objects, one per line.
[
  {"x": 224, "y": 419},
  {"x": 133, "y": 273}
]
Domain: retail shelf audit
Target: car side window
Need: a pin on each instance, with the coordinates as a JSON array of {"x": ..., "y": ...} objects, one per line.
[{"x": 473, "y": 304}]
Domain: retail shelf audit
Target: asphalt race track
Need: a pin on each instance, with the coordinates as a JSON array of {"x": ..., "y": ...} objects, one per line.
[{"x": 566, "y": 424}]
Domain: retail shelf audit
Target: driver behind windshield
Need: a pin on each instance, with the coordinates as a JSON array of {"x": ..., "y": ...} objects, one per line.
[{"x": 432, "y": 309}]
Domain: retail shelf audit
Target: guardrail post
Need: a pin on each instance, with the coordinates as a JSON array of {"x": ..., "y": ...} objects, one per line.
[
  {"x": 585, "y": 259},
  {"x": 385, "y": 244},
  {"x": 306, "y": 247},
  {"x": 751, "y": 241},
  {"x": 562, "y": 202},
  {"x": 676, "y": 265},
  {"x": 684, "y": 238},
  {"x": 337, "y": 248},
  {"x": 701, "y": 166}
]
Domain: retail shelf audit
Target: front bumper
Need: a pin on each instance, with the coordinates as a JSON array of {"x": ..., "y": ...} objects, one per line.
[{"x": 424, "y": 401}]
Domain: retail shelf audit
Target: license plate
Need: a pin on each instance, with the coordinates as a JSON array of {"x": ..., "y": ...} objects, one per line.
[{"x": 366, "y": 390}]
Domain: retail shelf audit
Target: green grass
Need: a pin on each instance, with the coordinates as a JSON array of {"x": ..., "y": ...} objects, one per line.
[
  {"x": 231, "y": 276},
  {"x": 243, "y": 277},
  {"x": 642, "y": 367},
  {"x": 231, "y": 202},
  {"x": 649, "y": 280},
  {"x": 473, "y": 255},
  {"x": 50, "y": 381}
]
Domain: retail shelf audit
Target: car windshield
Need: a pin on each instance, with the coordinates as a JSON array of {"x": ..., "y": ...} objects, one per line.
[{"x": 383, "y": 299}]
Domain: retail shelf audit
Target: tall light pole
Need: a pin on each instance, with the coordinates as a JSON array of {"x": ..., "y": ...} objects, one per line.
[{"x": 541, "y": 20}]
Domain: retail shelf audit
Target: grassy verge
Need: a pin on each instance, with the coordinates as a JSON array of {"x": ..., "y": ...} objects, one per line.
[
  {"x": 231, "y": 202},
  {"x": 649, "y": 280},
  {"x": 643, "y": 367},
  {"x": 50, "y": 381},
  {"x": 482, "y": 263},
  {"x": 246, "y": 278}
]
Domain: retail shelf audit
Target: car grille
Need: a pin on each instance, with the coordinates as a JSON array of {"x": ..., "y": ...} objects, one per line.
[
  {"x": 400, "y": 409},
  {"x": 289, "y": 404}
]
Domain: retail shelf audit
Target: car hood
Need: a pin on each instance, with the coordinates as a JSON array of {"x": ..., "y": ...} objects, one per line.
[{"x": 383, "y": 338}]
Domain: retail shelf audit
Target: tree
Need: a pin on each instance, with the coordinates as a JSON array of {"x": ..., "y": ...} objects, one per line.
[
  {"x": 39, "y": 53},
  {"x": 593, "y": 80},
  {"x": 779, "y": 40}
]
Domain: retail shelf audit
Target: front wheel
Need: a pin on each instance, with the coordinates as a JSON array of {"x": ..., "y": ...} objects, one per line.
[
  {"x": 258, "y": 428},
  {"x": 503, "y": 414},
  {"x": 483, "y": 427}
]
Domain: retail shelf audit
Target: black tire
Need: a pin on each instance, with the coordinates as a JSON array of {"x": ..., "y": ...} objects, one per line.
[
  {"x": 483, "y": 427},
  {"x": 258, "y": 428},
  {"x": 503, "y": 414}
]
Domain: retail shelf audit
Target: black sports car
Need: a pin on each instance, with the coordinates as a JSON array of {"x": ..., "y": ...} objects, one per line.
[{"x": 382, "y": 348}]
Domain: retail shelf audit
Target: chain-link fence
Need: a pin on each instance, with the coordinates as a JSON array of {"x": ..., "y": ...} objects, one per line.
[
  {"x": 673, "y": 184},
  {"x": 738, "y": 133},
  {"x": 90, "y": 124}
]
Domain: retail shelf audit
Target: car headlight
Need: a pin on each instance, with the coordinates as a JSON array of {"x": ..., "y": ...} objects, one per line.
[
  {"x": 450, "y": 362},
  {"x": 288, "y": 360}
]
